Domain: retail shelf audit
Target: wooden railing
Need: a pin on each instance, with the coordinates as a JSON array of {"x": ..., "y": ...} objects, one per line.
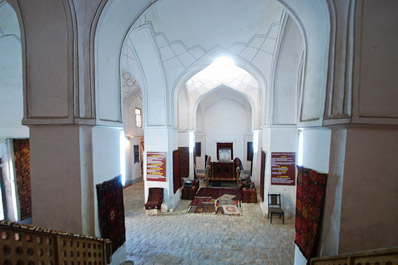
[
  {"x": 30, "y": 245},
  {"x": 371, "y": 257}
]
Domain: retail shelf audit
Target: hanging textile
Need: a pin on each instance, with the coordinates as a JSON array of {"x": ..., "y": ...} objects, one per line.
[
  {"x": 176, "y": 171},
  {"x": 262, "y": 174},
  {"x": 22, "y": 170},
  {"x": 111, "y": 211},
  {"x": 184, "y": 161},
  {"x": 310, "y": 197}
]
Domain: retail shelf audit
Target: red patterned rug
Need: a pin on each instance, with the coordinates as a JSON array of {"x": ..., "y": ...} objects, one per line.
[
  {"x": 207, "y": 201},
  {"x": 228, "y": 207},
  {"x": 111, "y": 211},
  {"x": 218, "y": 192},
  {"x": 22, "y": 168},
  {"x": 311, "y": 187},
  {"x": 202, "y": 205}
]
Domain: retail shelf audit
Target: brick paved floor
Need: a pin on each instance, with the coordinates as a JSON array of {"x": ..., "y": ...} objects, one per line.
[{"x": 182, "y": 238}]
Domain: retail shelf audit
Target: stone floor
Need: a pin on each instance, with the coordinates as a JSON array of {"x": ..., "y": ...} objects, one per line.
[{"x": 182, "y": 238}]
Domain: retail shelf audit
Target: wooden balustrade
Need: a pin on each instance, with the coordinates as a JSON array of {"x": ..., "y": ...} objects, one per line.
[
  {"x": 387, "y": 256},
  {"x": 31, "y": 245}
]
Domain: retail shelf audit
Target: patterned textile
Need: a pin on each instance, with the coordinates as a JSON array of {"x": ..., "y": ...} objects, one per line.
[
  {"x": 262, "y": 174},
  {"x": 136, "y": 154},
  {"x": 211, "y": 205},
  {"x": 22, "y": 168},
  {"x": 311, "y": 187},
  {"x": 228, "y": 207},
  {"x": 177, "y": 183},
  {"x": 238, "y": 163},
  {"x": 184, "y": 161},
  {"x": 215, "y": 193},
  {"x": 223, "y": 171},
  {"x": 249, "y": 195},
  {"x": 155, "y": 199},
  {"x": 111, "y": 211},
  {"x": 200, "y": 205}
]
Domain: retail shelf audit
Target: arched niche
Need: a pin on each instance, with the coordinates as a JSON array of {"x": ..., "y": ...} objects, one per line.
[
  {"x": 223, "y": 115},
  {"x": 206, "y": 61},
  {"x": 115, "y": 19},
  {"x": 242, "y": 124},
  {"x": 132, "y": 98},
  {"x": 11, "y": 85},
  {"x": 313, "y": 19}
]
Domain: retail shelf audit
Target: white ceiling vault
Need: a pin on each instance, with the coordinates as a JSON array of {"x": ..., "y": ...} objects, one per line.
[
  {"x": 185, "y": 31},
  {"x": 188, "y": 35}
]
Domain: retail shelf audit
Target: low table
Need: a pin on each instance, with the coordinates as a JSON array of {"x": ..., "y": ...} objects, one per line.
[
  {"x": 188, "y": 193},
  {"x": 249, "y": 195}
]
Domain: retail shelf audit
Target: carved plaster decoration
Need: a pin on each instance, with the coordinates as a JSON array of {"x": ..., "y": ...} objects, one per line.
[
  {"x": 129, "y": 84},
  {"x": 130, "y": 65}
]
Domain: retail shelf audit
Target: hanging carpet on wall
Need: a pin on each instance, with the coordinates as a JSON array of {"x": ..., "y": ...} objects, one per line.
[
  {"x": 176, "y": 171},
  {"x": 111, "y": 211},
  {"x": 310, "y": 198},
  {"x": 262, "y": 174},
  {"x": 184, "y": 161},
  {"x": 22, "y": 170}
]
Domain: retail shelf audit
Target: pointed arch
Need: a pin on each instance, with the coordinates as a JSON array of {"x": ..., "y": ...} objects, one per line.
[{"x": 204, "y": 62}]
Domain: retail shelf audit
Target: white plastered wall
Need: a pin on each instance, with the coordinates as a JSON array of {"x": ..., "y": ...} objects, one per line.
[
  {"x": 115, "y": 20},
  {"x": 130, "y": 126},
  {"x": 226, "y": 120},
  {"x": 316, "y": 154},
  {"x": 11, "y": 90},
  {"x": 277, "y": 139},
  {"x": 106, "y": 165},
  {"x": 135, "y": 167},
  {"x": 369, "y": 190},
  {"x": 287, "y": 75}
]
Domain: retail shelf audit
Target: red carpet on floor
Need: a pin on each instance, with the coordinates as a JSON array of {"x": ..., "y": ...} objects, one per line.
[{"x": 218, "y": 192}]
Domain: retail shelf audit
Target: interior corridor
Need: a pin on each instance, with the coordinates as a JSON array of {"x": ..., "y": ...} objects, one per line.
[{"x": 182, "y": 238}]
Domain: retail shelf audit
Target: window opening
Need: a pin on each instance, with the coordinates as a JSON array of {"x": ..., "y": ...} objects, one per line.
[{"x": 138, "y": 118}]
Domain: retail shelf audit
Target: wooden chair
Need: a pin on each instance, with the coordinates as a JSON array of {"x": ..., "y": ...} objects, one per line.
[
  {"x": 155, "y": 199},
  {"x": 274, "y": 206}
]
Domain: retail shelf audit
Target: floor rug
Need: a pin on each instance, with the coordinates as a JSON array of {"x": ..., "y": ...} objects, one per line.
[
  {"x": 216, "y": 193},
  {"x": 202, "y": 205},
  {"x": 228, "y": 207},
  {"x": 225, "y": 201}
]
